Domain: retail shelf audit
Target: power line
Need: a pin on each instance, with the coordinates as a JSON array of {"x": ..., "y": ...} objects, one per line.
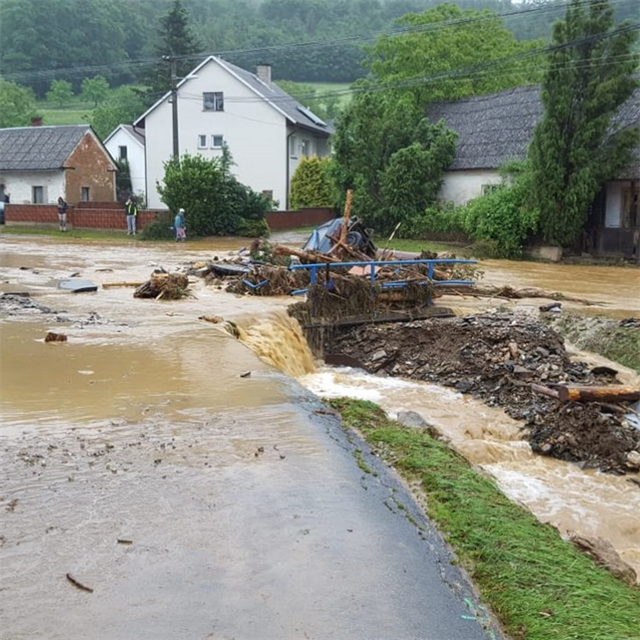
[
  {"x": 86, "y": 69},
  {"x": 451, "y": 74}
]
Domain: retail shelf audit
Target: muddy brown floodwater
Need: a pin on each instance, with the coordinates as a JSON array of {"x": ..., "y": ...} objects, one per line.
[
  {"x": 236, "y": 500},
  {"x": 156, "y": 460}
]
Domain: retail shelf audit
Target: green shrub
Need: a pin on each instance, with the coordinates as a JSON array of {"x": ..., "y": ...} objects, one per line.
[
  {"x": 440, "y": 221},
  {"x": 215, "y": 202},
  {"x": 311, "y": 184},
  {"x": 160, "y": 228},
  {"x": 253, "y": 228},
  {"x": 504, "y": 217}
]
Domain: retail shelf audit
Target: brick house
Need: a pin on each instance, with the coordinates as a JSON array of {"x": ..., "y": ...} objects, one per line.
[{"x": 39, "y": 164}]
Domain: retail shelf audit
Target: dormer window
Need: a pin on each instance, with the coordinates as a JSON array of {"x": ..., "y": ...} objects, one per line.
[{"x": 213, "y": 101}]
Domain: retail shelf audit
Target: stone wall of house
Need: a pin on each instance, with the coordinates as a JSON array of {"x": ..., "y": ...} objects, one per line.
[
  {"x": 110, "y": 215},
  {"x": 89, "y": 167}
]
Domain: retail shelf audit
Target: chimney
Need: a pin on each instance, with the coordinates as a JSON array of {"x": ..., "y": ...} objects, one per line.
[
  {"x": 36, "y": 121},
  {"x": 263, "y": 71}
]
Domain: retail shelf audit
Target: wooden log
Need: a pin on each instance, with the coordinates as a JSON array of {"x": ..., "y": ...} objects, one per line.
[
  {"x": 111, "y": 285},
  {"x": 281, "y": 250},
  {"x": 545, "y": 391},
  {"x": 347, "y": 215},
  {"x": 577, "y": 393}
]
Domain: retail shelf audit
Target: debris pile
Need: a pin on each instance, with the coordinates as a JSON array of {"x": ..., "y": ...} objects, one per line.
[
  {"x": 163, "y": 285},
  {"x": 505, "y": 360}
]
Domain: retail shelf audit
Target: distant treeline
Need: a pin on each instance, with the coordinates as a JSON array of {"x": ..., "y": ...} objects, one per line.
[{"x": 45, "y": 40}]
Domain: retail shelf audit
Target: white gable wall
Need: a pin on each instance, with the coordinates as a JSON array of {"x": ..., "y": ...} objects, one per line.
[
  {"x": 19, "y": 185},
  {"x": 254, "y": 131},
  {"x": 461, "y": 186},
  {"x": 135, "y": 157}
]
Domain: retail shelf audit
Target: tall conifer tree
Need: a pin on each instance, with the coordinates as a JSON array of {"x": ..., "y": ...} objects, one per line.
[
  {"x": 175, "y": 38},
  {"x": 576, "y": 147}
]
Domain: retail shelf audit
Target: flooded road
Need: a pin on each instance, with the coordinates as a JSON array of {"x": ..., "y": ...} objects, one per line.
[
  {"x": 189, "y": 484},
  {"x": 241, "y": 512}
]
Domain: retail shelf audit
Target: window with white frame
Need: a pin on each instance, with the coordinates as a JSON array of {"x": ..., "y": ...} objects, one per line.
[
  {"x": 217, "y": 141},
  {"x": 293, "y": 147},
  {"x": 122, "y": 152},
  {"x": 213, "y": 101},
  {"x": 37, "y": 195},
  {"x": 84, "y": 194},
  {"x": 202, "y": 141}
]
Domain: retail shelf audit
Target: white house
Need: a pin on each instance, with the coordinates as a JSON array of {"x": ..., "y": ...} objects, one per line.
[
  {"x": 264, "y": 128},
  {"x": 127, "y": 143},
  {"x": 40, "y": 164},
  {"x": 496, "y": 128}
]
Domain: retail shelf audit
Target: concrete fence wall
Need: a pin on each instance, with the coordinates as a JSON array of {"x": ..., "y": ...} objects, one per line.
[{"x": 110, "y": 215}]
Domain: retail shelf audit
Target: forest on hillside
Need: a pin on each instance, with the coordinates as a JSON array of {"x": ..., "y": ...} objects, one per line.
[{"x": 45, "y": 40}]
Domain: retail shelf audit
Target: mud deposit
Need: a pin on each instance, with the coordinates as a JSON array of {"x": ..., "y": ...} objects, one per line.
[{"x": 497, "y": 357}]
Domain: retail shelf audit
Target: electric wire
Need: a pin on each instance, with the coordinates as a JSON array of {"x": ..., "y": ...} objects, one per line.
[{"x": 87, "y": 69}]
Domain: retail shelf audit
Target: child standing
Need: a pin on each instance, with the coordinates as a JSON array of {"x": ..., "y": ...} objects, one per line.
[{"x": 179, "y": 224}]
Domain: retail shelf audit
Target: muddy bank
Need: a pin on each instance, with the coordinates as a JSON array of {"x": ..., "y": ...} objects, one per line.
[
  {"x": 617, "y": 340},
  {"x": 497, "y": 357}
]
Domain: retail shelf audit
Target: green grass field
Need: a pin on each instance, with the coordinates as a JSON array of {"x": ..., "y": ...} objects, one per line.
[
  {"x": 75, "y": 112},
  {"x": 333, "y": 87}
]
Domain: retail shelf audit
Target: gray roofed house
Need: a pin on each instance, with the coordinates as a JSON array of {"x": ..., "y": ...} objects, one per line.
[
  {"x": 496, "y": 128},
  {"x": 38, "y": 148},
  {"x": 40, "y": 163},
  {"x": 221, "y": 105}
]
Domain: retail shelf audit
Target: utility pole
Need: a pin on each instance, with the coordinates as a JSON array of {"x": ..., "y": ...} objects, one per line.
[{"x": 174, "y": 103}]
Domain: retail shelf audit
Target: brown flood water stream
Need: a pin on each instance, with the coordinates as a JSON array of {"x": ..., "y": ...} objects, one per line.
[{"x": 143, "y": 369}]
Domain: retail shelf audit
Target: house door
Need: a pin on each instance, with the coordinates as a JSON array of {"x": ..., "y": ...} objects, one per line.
[{"x": 631, "y": 216}]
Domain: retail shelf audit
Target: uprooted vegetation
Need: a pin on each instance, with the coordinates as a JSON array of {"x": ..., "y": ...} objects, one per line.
[{"x": 500, "y": 358}]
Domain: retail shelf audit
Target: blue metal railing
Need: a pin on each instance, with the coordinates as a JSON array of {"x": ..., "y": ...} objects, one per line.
[{"x": 316, "y": 266}]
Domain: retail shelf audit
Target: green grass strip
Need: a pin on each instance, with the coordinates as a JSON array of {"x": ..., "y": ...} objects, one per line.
[{"x": 539, "y": 586}]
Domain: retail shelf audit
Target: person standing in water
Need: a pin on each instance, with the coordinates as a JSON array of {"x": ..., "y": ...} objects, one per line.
[{"x": 62, "y": 213}]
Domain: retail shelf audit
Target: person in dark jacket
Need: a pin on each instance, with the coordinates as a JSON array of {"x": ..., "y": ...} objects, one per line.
[
  {"x": 131, "y": 209},
  {"x": 62, "y": 213}
]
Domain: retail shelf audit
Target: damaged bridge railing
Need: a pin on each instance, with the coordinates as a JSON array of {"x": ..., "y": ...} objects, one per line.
[{"x": 371, "y": 269}]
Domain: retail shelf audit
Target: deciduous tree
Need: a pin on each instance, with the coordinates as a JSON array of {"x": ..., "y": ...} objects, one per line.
[
  {"x": 122, "y": 106},
  {"x": 391, "y": 156},
  {"x": 17, "y": 104},
  {"x": 60, "y": 93},
  {"x": 95, "y": 89},
  {"x": 440, "y": 51}
]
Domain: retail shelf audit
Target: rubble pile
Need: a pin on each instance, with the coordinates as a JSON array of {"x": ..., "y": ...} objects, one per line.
[
  {"x": 499, "y": 358},
  {"x": 163, "y": 285}
]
